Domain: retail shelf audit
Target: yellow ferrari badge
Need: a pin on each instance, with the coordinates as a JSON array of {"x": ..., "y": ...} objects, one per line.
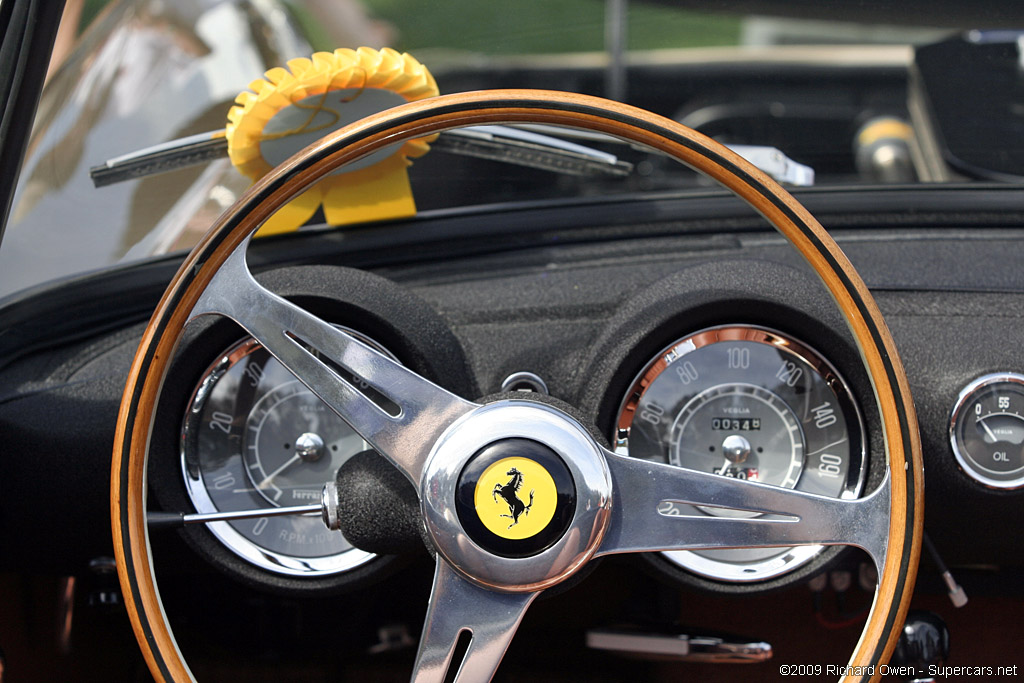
[
  {"x": 515, "y": 498},
  {"x": 292, "y": 108}
]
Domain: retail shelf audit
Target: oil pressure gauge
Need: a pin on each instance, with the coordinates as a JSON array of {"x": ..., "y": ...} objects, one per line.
[{"x": 987, "y": 430}]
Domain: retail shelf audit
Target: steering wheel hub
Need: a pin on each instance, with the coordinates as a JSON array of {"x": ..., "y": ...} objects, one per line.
[{"x": 514, "y": 512}]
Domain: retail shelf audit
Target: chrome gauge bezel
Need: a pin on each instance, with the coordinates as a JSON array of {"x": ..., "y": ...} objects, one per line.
[
  {"x": 195, "y": 485},
  {"x": 786, "y": 559},
  {"x": 968, "y": 396}
]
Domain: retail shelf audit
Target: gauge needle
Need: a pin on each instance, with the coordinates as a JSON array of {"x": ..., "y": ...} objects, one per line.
[
  {"x": 270, "y": 477},
  {"x": 988, "y": 431}
]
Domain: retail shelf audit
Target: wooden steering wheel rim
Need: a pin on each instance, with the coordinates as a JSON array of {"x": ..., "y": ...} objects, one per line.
[{"x": 417, "y": 119}]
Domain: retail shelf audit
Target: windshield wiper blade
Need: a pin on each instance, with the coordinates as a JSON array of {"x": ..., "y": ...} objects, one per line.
[
  {"x": 497, "y": 143},
  {"x": 771, "y": 160},
  {"x": 168, "y": 156},
  {"x": 526, "y": 148}
]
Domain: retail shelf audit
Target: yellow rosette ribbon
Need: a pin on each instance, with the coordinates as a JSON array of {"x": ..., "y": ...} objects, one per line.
[{"x": 291, "y": 108}]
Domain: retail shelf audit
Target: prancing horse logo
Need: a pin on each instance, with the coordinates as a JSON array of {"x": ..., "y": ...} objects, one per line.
[{"x": 516, "y": 507}]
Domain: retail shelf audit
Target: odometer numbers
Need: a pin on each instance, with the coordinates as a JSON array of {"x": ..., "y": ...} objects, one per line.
[{"x": 735, "y": 424}]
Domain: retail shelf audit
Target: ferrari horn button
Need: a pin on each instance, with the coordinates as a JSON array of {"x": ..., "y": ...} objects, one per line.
[{"x": 515, "y": 497}]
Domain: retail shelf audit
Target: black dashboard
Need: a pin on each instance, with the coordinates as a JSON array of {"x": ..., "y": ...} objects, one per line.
[{"x": 582, "y": 296}]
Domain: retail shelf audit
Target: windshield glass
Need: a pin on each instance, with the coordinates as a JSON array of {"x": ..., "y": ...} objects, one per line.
[{"x": 810, "y": 101}]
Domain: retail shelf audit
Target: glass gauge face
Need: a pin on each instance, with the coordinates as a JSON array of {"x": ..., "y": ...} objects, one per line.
[
  {"x": 987, "y": 430},
  {"x": 256, "y": 437},
  {"x": 747, "y": 403}
]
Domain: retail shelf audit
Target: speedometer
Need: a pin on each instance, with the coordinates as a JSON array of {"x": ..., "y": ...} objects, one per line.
[
  {"x": 748, "y": 403},
  {"x": 255, "y": 437}
]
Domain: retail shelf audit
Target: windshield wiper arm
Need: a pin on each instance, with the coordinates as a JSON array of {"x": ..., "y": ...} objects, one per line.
[{"x": 497, "y": 143}]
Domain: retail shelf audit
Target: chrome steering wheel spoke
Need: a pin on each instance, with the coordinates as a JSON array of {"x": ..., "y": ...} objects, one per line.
[
  {"x": 644, "y": 518},
  {"x": 458, "y": 607},
  {"x": 403, "y": 429}
]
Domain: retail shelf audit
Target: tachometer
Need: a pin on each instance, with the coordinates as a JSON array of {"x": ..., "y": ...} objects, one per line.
[
  {"x": 749, "y": 403},
  {"x": 256, "y": 437}
]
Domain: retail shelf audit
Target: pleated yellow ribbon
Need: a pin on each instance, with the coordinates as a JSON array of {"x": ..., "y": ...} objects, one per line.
[{"x": 291, "y": 108}]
